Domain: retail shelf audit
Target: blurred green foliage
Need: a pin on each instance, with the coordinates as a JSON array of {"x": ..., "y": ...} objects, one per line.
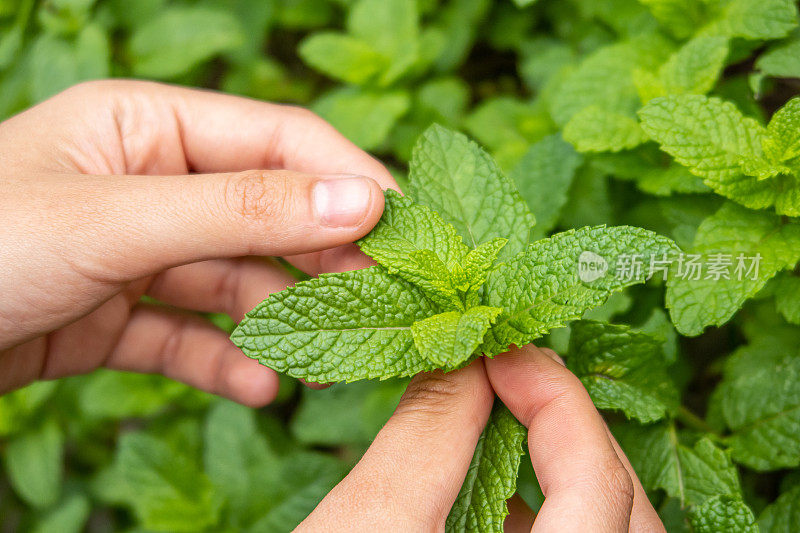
[{"x": 115, "y": 451}]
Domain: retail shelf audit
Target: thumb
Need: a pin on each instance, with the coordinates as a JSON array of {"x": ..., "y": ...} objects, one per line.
[
  {"x": 139, "y": 225},
  {"x": 410, "y": 476}
]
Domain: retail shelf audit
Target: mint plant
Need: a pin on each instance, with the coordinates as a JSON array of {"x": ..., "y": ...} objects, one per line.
[{"x": 455, "y": 280}]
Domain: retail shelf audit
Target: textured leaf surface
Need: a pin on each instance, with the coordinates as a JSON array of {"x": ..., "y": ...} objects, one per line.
[
  {"x": 756, "y": 19},
  {"x": 622, "y": 369},
  {"x": 723, "y": 513},
  {"x": 731, "y": 231},
  {"x": 405, "y": 230},
  {"x": 541, "y": 289},
  {"x": 455, "y": 177},
  {"x": 787, "y": 298},
  {"x": 543, "y": 177},
  {"x": 693, "y": 474},
  {"x": 448, "y": 339},
  {"x": 492, "y": 476},
  {"x": 759, "y": 400},
  {"x": 783, "y": 514},
  {"x": 708, "y": 135},
  {"x": 695, "y": 67},
  {"x": 783, "y": 142},
  {"x": 339, "y": 327},
  {"x": 594, "y": 129}
]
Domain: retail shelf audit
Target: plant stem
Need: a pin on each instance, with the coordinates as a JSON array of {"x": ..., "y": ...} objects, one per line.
[{"x": 689, "y": 419}]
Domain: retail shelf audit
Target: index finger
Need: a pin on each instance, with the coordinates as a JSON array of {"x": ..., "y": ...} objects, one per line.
[{"x": 586, "y": 485}]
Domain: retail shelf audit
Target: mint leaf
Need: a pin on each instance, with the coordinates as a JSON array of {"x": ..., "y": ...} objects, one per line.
[
  {"x": 180, "y": 37},
  {"x": 787, "y": 298},
  {"x": 541, "y": 288},
  {"x": 780, "y": 516},
  {"x": 339, "y": 327},
  {"x": 344, "y": 57},
  {"x": 781, "y": 60},
  {"x": 696, "y": 66},
  {"x": 706, "y": 134},
  {"x": 594, "y": 129},
  {"x": 681, "y": 17},
  {"x": 68, "y": 516},
  {"x": 543, "y": 177},
  {"x": 166, "y": 489},
  {"x": 755, "y": 19},
  {"x": 723, "y": 513},
  {"x": 492, "y": 475},
  {"x": 414, "y": 242},
  {"x": 33, "y": 462},
  {"x": 693, "y": 474},
  {"x": 448, "y": 339},
  {"x": 739, "y": 238},
  {"x": 365, "y": 117},
  {"x": 759, "y": 400},
  {"x": 455, "y": 177},
  {"x": 622, "y": 369},
  {"x": 783, "y": 142}
]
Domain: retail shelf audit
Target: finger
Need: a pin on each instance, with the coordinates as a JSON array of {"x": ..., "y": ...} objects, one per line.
[
  {"x": 188, "y": 349},
  {"x": 586, "y": 486},
  {"x": 644, "y": 517},
  {"x": 231, "y": 286},
  {"x": 128, "y": 227},
  {"x": 411, "y": 475},
  {"x": 139, "y": 127}
]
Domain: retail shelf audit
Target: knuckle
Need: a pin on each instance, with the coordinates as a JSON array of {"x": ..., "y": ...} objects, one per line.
[
  {"x": 618, "y": 483},
  {"x": 429, "y": 395},
  {"x": 254, "y": 195}
]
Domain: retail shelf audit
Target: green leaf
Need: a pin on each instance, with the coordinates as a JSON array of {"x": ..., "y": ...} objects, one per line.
[
  {"x": 57, "y": 63},
  {"x": 339, "y": 327},
  {"x": 346, "y": 413},
  {"x": 696, "y": 66},
  {"x": 166, "y": 489},
  {"x": 693, "y": 474},
  {"x": 543, "y": 177},
  {"x": 783, "y": 142},
  {"x": 781, "y": 60},
  {"x": 594, "y": 129},
  {"x": 455, "y": 177},
  {"x": 22, "y": 407},
  {"x": 119, "y": 395},
  {"x": 787, "y": 298},
  {"x": 708, "y": 135},
  {"x": 759, "y": 400},
  {"x": 414, "y": 242},
  {"x": 755, "y": 19},
  {"x": 748, "y": 247},
  {"x": 364, "y": 117},
  {"x": 723, "y": 513},
  {"x": 69, "y": 516},
  {"x": 343, "y": 57},
  {"x": 681, "y": 17},
  {"x": 543, "y": 288},
  {"x": 622, "y": 369},
  {"x": 391, "y": 27},
  {"x": 781, "y": 515},
  {"x": 492, "y": 475},
  {"x": 449, "y": 339},
  {"x": 181, "y": 37},
  {"x": 33, "y": 463}
]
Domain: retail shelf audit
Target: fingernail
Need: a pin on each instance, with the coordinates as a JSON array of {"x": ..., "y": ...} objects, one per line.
[{"x": 342, "y": 200}]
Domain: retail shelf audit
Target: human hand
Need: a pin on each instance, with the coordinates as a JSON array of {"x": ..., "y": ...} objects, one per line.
[
  {"x": 98, "y": 208},
  {"x": 412, "y": 473}
]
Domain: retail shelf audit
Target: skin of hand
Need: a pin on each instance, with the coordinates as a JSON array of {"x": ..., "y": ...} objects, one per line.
[
  {"x": 117, "y": 189},
  {"x": 411, "y": 475}
]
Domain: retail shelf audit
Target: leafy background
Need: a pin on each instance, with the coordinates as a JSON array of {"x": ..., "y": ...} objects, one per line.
[{"x": 554, "y": 89}]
